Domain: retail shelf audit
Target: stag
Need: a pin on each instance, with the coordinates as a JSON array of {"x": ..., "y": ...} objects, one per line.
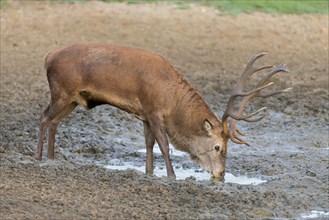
[{"x": 147, "y": 86}]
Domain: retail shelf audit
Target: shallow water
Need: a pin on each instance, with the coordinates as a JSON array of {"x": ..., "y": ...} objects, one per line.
[
  {"x": 172, "y": 151},
  {"x": 183, "y": 173},
  {"x": 315, "y": 214}
]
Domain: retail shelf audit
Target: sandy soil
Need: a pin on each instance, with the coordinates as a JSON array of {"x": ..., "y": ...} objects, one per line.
[{"x": 289, "y": 148}]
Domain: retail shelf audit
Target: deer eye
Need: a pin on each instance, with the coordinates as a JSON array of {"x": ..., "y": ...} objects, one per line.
[{"x": 217, "y": 148}]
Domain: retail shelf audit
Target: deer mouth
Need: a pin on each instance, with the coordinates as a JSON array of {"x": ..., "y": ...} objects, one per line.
[{"x": 217, "y": 179}]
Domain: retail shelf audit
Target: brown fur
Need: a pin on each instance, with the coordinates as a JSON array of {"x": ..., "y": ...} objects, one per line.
[{"x": 139, "y": 82}]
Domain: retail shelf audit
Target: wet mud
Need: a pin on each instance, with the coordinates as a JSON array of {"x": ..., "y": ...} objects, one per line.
[{"x": 289, "y": 148}]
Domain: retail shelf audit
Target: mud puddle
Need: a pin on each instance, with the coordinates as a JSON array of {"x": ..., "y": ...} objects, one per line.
[
  {"x": 182, "y": 174},
  {"x": 314, "y": 214},
  {"x": 181, "y": 171}
]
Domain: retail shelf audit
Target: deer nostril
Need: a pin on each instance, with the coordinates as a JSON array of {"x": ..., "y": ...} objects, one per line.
[{"x": 219, "y": 174}]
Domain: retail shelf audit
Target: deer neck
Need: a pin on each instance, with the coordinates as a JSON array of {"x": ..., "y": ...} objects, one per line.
[{"x": 186, "y": 122}]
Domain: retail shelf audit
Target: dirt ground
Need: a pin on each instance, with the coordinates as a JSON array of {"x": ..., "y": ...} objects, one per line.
[{"x": 289, "y": 148}]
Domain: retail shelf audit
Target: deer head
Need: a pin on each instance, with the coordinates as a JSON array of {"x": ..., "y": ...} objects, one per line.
[{"x": 229, "y": 129}]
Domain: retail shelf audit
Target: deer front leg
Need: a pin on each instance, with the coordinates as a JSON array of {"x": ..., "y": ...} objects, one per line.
[
  {"x": 149, "y": 141},
  {"x": 159, "y": 131}
]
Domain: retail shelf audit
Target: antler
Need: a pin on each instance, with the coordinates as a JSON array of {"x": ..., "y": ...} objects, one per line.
[{"x": 230, "y": 130}]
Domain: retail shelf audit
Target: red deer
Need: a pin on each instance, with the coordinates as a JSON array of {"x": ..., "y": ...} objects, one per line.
[{"x": 147, "y": 86}]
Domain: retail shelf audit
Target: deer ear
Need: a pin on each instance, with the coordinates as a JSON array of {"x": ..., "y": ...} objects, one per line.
[{"x": 207, "y": 126}]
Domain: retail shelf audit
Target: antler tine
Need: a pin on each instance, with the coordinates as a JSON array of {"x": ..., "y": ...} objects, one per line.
[
  {"x": 254, "y": 58},
  {"x": 280, "y": 68},
  {"x": 240, "y": 133},
  {"x": 255, "y": 119},
  {"x": 249, "y": 70},
  {"x": 236, "y": 139},
  {"x": 235, "y": 136},
  {"x": 246, "y": 118},
  {"x": 230, "y": 130},
  {"x": 254, "y": 90},
  {"x": 274, "y": 93}
]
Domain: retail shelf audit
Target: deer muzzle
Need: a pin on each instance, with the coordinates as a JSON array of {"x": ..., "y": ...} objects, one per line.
[{"x": 218, "y": 173}]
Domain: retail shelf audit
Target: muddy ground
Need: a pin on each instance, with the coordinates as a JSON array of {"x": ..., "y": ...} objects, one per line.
[{"x": 289, "y": 148}]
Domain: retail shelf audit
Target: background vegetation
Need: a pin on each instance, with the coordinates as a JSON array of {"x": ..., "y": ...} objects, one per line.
[{"x": 248, "y": 6}]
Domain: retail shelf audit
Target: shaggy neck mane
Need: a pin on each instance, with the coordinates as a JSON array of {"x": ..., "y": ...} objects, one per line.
[{"x": 186, "y": 121}]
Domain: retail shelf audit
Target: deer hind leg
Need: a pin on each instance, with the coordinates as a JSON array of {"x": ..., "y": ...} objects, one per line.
[
  {"x": 149, "y": 140},
  {"x": 159, "y": 131},
  {"x": 56, "y": 110},
  {"x": 53, "y": 128},
  {"x": 42, "y": 131}
]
